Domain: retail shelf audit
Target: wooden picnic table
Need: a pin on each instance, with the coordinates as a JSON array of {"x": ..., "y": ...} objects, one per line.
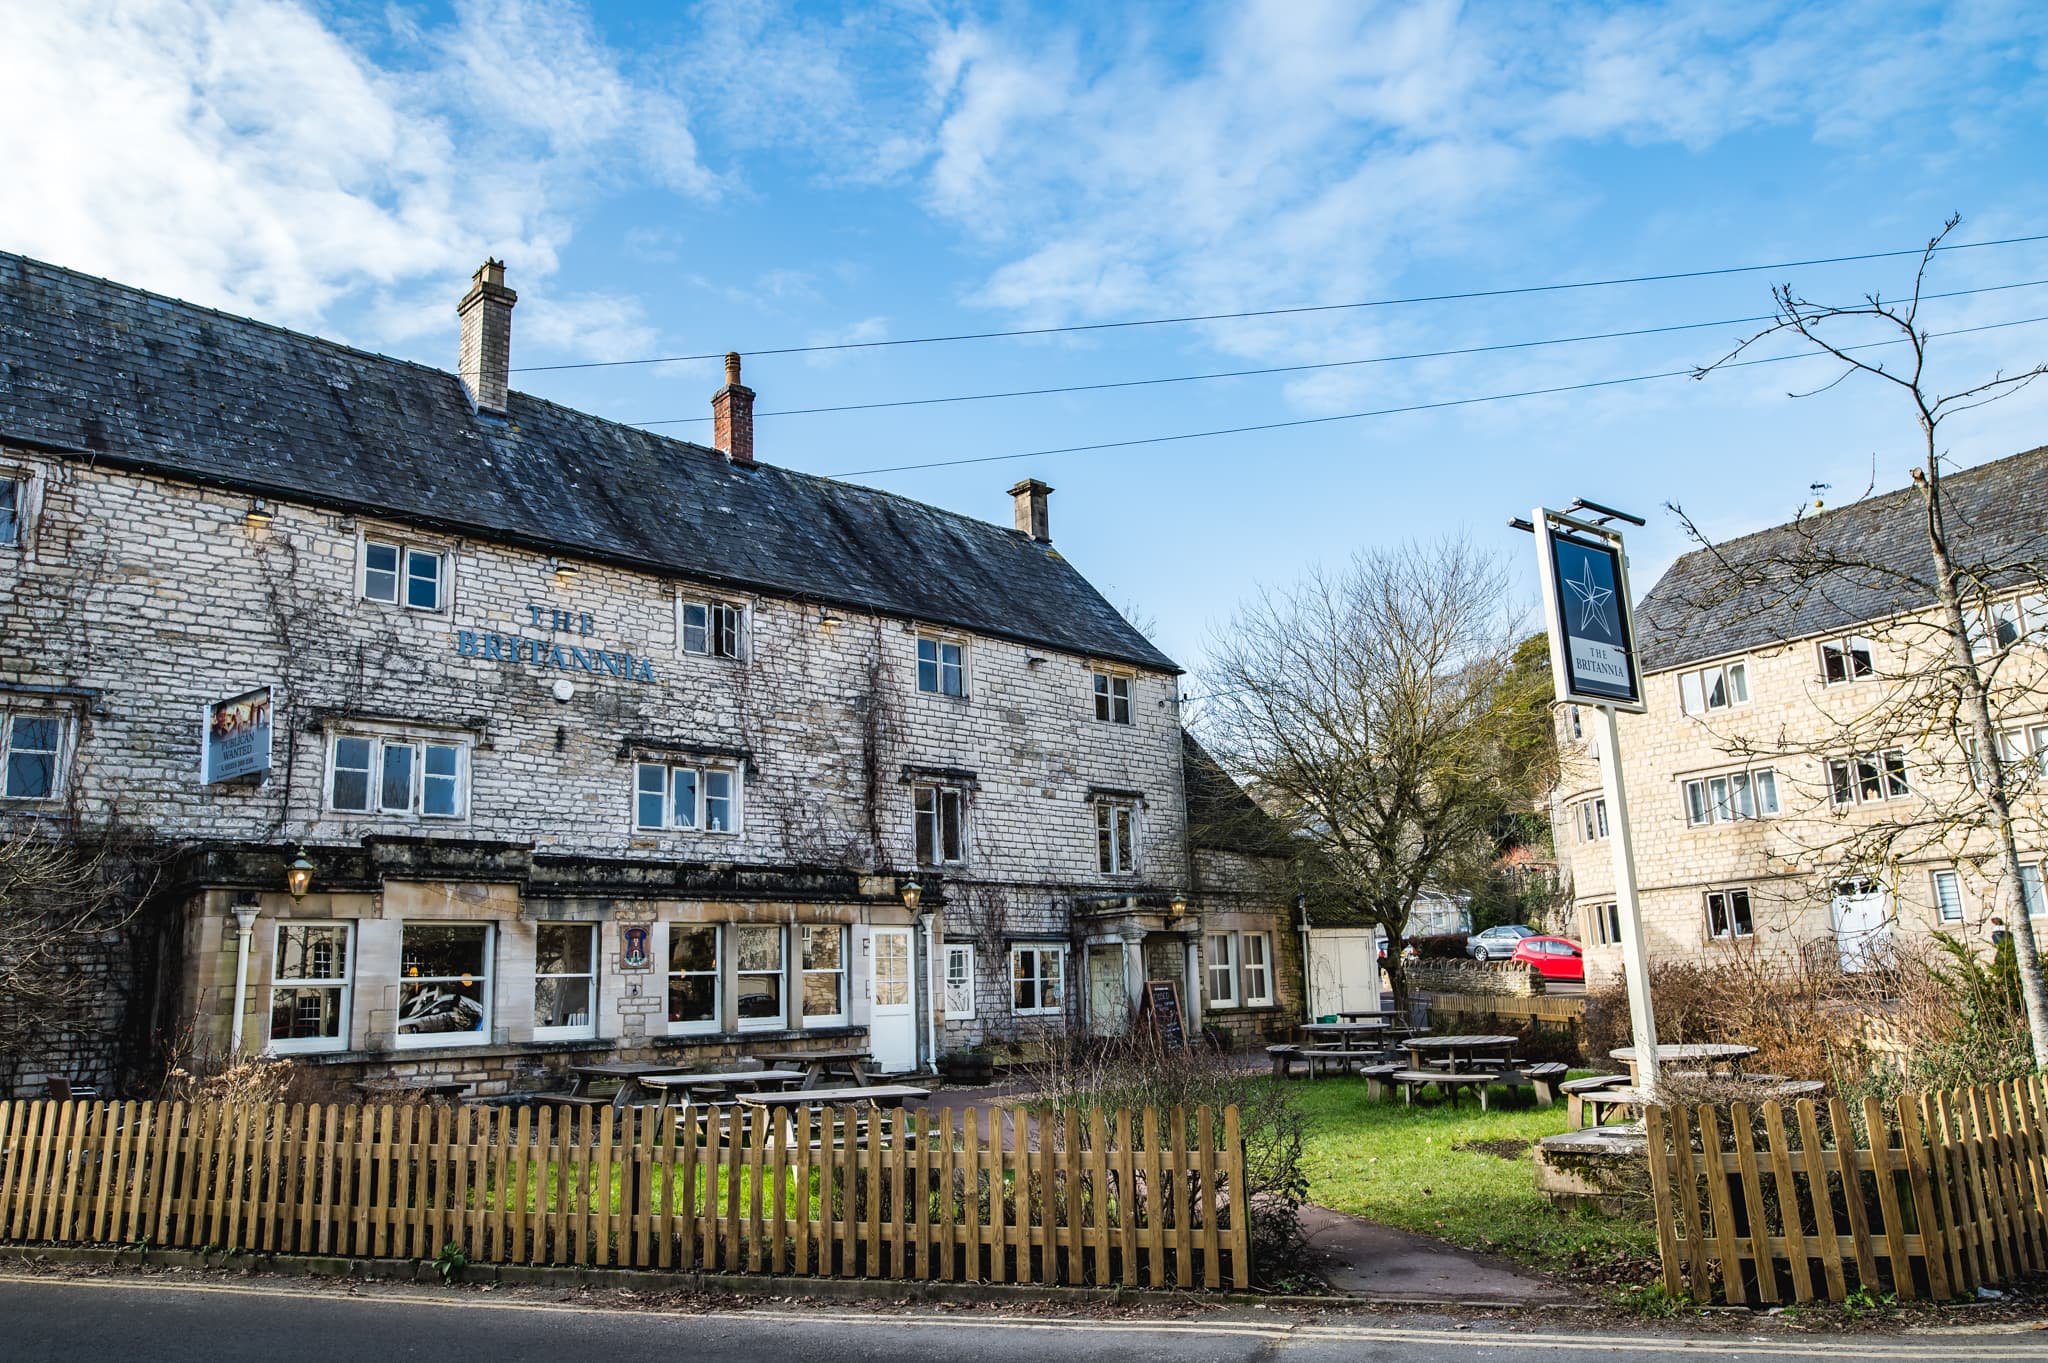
[
  {"x": 792, "y": 1104},
  {"x": 1719, "y": 1057},
  {"x": 1365, "y": 1014},
  {"x": 821, "y": 1065},
  {"x": 1347, "y": 1036},
  {"x": 627, "y": 1072},
  {"x": 668, "y": 1086},
  {"x": 1460, "y": 1054}
]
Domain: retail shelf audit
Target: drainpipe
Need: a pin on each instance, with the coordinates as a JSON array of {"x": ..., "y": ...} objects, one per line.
[
  {"x": 1308, "y": 989},
  {"x": 929, "y": 922},
  {"x": 245, "y": 926}
]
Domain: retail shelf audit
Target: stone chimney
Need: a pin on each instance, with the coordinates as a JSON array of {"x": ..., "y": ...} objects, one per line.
[
  {"x": 732, "y": 414},
  {"x": 1030, "y": 497},
  {"x": 486, "y": 359}
]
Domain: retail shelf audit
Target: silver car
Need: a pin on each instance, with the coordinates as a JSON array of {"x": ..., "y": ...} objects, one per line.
[{"x": 1497, "y": 944}]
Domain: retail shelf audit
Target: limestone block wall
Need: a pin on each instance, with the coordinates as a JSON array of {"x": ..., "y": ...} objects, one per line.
[{"x": 1792, "y": 724}]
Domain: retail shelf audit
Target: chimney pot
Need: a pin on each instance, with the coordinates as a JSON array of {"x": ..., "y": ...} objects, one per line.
[
  {"x": 484, "y": 362},
  {"x": 1032, "y": 519},
  {"x": 732, "y": 414}
]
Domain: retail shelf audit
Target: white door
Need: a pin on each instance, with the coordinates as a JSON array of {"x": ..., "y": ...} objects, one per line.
[
  {"x": 1344, "y": 971},
  {"x": 892, "y": 1001},
  {"x": 1863, "y": 924},
  {"x": 1109, "y": 1011}
]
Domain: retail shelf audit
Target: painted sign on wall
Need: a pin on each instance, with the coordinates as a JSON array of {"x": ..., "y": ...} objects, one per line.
[{"x": 237, "y": 739}]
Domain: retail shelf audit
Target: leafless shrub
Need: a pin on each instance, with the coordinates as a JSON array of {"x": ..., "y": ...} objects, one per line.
[{"x": 1138, "y": 1072}]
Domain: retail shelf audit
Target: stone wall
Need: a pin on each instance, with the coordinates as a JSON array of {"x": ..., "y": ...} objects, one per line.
[{"x": 136, "y": 600}]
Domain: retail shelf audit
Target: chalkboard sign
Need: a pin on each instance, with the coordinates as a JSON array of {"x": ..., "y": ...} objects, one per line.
[{"x": 1163, "y": 1005}]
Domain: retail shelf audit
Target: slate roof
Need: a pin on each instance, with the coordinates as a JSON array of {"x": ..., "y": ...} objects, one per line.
[
  {"x": 138, "y": 380},
  {"x": 1221, "y": 817},
  {"x": 1834, "y": 569}
]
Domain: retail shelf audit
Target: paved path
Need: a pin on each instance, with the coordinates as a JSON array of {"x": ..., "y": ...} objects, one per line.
[
  {"x": 44, "y": 1320},
  {"x": 1362, "y": 1258}
]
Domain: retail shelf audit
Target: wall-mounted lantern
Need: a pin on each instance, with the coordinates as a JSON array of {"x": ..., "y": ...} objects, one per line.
[{"x": 298, "y": 877}]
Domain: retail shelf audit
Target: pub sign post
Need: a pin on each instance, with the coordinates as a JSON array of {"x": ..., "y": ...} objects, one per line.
[{"x": 1586, "y": 603}]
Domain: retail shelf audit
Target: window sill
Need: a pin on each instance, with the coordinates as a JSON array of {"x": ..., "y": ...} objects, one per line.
[{"x": 1242, "y": 1008}]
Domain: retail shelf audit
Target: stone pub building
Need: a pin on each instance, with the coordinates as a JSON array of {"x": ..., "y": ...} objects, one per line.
[{"x": 478, "y": 736}]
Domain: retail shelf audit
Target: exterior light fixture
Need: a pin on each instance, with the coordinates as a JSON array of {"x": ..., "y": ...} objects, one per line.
[
  {"x": 826, "y": 619},
  {"x": 913, "y": 894},
  {"x": 260, "y": 512},
  {"x": 1179, "y": 904},
  {"x": 559, "y": 569},
  {"x": 298, "y": 877}
]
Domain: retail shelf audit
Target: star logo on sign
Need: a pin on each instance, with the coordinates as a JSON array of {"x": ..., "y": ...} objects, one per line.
[{"x": 1593, "y": 599}]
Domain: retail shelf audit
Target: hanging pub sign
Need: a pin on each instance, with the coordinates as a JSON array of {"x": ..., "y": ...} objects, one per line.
[
  {"x": 1586, "y": 599},
  {"x": 237, "y": 738}
]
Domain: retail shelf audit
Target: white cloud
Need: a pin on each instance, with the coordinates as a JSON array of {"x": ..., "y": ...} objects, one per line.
[
  {"x": 244, "y": 154},
  {"x": 1312, "y": 150}
]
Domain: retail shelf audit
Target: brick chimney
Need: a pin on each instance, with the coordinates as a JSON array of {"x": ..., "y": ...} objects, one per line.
[
  {"x": 485, "y": 363},
  {"x": 1032, "y": 520},
  {"x": 732, "y": 414}
]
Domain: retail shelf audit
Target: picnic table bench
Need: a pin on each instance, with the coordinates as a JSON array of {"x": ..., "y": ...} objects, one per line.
[
  {"x": 730, "y": 1082},
  {"x": 818, "y": 1066},
  {"x": 1283, "y": 1057},
  {"x": 792, "y": 1104}
]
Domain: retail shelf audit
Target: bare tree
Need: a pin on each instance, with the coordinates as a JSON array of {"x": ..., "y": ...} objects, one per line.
[
  {"x": 1379, "y": 715},
  {"x": 57, "y": 897},
  {"x": 1949, "y": 678}
]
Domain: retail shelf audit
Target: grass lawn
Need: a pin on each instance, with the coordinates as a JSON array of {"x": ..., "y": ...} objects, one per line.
[{"x": 1428, "y": 1169}]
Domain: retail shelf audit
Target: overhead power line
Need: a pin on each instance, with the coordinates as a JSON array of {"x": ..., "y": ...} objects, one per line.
[
  {"x": 1296, "y": 368},
  {"x": 1299, "y": 310},
  {"x": 1395, "y": 411}
]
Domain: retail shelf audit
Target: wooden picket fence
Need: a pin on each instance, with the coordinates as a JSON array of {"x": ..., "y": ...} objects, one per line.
[
  {"x": 1139, "y": 1198},
  {"x": 1768, "y": 1206}
]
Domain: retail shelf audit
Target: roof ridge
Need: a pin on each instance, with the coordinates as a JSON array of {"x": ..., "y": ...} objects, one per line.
[
  {"x": 326, "y": 341},
  {"x": 1869, "y": 502},
  {"x": 345, "y": 348}
]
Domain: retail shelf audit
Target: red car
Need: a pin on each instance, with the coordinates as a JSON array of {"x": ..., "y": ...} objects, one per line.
[{"x": 1555, "y": 958}]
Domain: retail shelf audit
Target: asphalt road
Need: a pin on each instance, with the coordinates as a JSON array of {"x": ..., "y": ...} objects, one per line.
[{"x": 127, "y": 1318}]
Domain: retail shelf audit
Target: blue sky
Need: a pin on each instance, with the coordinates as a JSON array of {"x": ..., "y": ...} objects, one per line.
[{"x": 667, "y": 179}]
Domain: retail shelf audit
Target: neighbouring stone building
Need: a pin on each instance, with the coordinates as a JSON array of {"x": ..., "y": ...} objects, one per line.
[
  {"x": 584, "y": 742},
  {"x": 1798, "y": 789}
]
